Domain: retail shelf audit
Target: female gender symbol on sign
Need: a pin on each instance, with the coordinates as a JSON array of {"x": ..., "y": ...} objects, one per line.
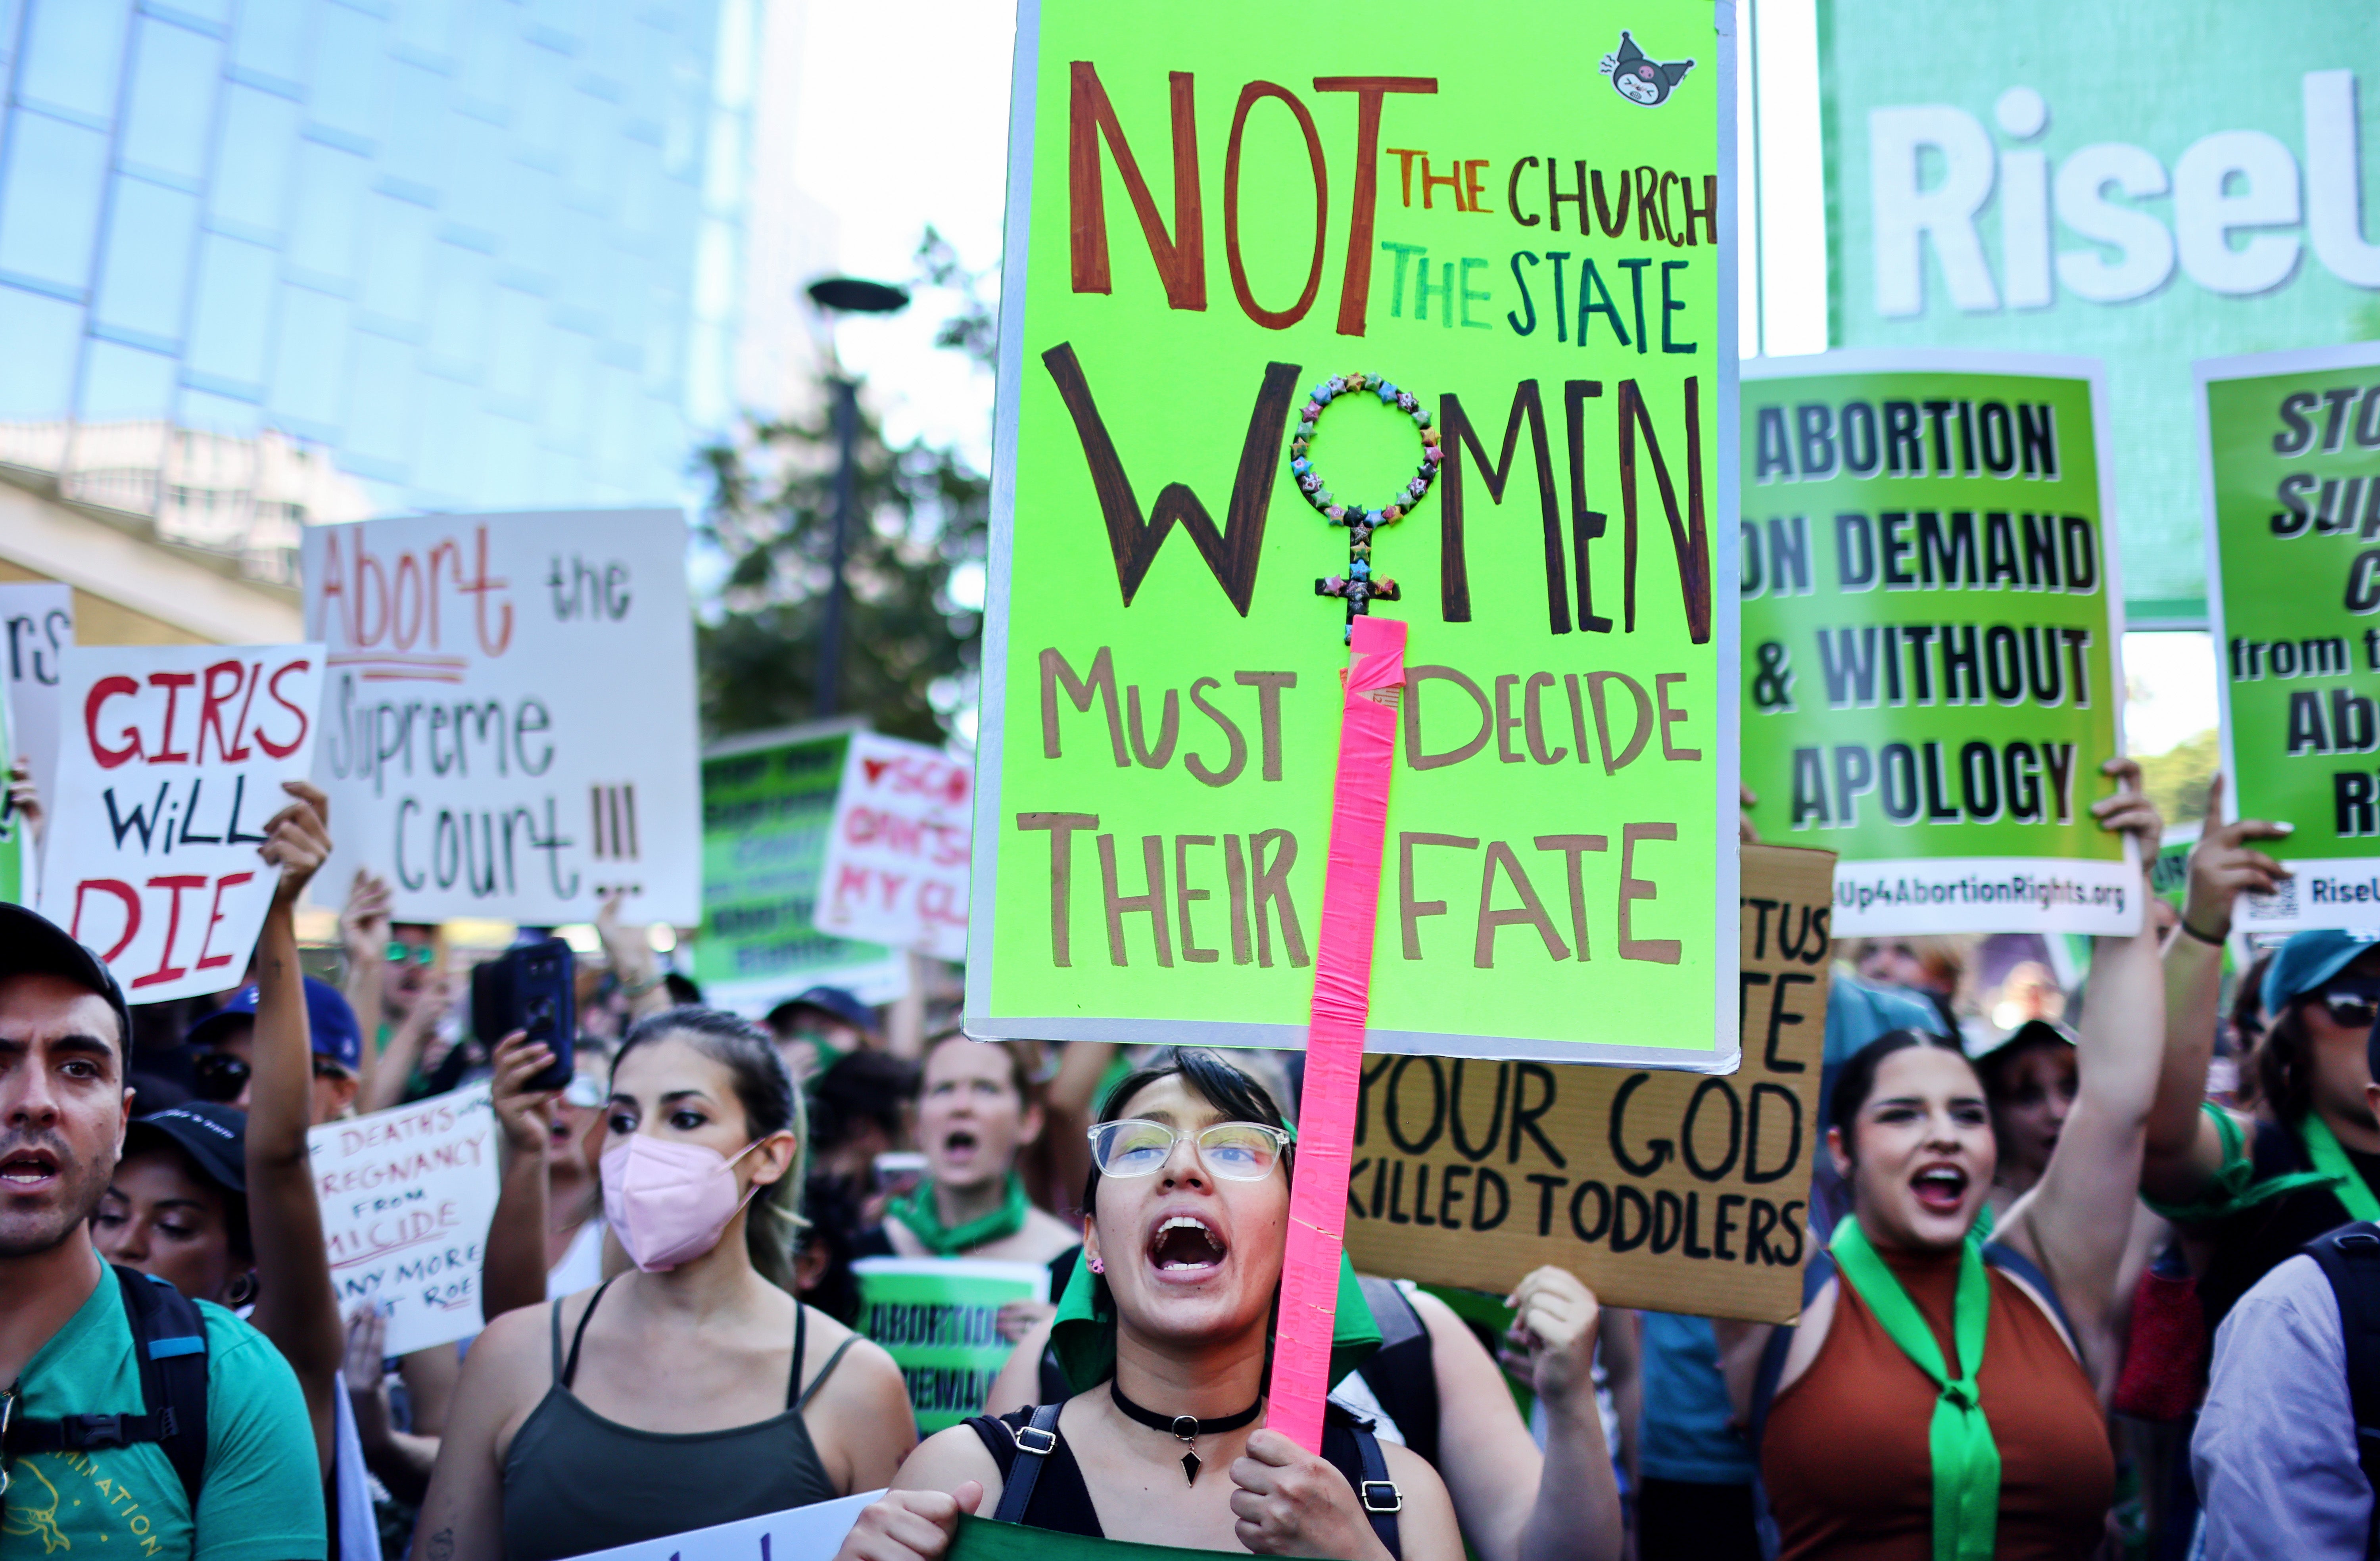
[{"x": 1359, "y": 587}]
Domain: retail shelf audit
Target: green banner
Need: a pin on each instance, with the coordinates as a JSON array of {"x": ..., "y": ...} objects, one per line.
[
  {"x": 938, "y": 1320},
  {"x": 2294, "y": 470},
  {"x": 1213, "y": 212},
  {"x": 16, "y": 846},
  {"x": 767, "y": 803},
  {"x": 2148, "y": 181},
  {"x": 980, "y": 1539},
  {"x": 1930, "y": 621}
]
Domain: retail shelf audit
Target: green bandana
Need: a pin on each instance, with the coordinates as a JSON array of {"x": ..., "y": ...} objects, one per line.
[
  {"x": 1966, "y": 1459},
  {"x": 1083, "y": 1333},
  {"x": 2323, "y": 1148},
  {"x": 924, "y": 1220},
  {"x": 2235, "y": 1186}
]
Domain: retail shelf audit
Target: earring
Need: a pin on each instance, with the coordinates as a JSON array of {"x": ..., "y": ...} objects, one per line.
[
  {"x": 1096, "y": 1265},
  {"x": 242, "y": 1290}
]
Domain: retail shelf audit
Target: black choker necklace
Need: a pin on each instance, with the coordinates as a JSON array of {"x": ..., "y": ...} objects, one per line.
[{"x": 1185, "y": 1427}]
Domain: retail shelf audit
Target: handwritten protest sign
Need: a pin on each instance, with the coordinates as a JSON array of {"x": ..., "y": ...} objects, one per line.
[
  {"x": 803, "y": 1534},
  {"x": 1211, "y": 216},
  {"x": 938, "y": 1318},
  {"x": 408, "y": 1196},
  {"x": 768, "y": 803},
  {"x": 1658, "y": 1189},
  {"x": 1931, "y": 619},
  {"x": 2293, "y": 451},
  {"x": 897, "y": 858},
  {"x": 509, "y": 724},
  {"x": 173, "y": 757},
  {"x": 38, "y": 618}
]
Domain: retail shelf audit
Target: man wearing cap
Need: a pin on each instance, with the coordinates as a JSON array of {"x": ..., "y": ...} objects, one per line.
[
  {"x": 225, "y": 1043},
  {"x": 820, "y": 1025},
  {"x": 66, "y": 1345}
]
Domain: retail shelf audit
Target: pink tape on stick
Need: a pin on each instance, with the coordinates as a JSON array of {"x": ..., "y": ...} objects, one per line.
[{"x": 1334, "y": 1033}]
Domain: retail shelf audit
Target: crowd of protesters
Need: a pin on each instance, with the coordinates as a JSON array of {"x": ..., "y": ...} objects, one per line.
[{"x": 2102, "y": 1290}]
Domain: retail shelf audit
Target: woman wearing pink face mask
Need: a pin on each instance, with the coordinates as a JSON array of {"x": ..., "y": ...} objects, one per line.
[{"x": 694, "y": 1390}]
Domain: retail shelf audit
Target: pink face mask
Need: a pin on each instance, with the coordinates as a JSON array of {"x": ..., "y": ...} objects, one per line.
[{"x": 668, "y": 1201}]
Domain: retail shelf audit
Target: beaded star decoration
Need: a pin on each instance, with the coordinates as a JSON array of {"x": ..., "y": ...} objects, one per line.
[{"x": 1359, "y": 587}]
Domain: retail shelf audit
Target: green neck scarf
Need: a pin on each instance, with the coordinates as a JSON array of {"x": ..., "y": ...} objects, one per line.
[
  {"x": 2330, "y": 1159},
  {"x": 924, "y": 1219},
  {"x": 1966, "y": 1459},
  {"x": 1083, "y": 1336}
]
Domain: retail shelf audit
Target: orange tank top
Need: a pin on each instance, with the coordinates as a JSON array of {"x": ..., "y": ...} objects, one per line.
[{"x": 1846, "y": 1456}]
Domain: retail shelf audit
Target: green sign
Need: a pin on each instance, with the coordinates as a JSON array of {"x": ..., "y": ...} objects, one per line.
[
  {"x": 1212, "y": 212},
  {"x": 767, "y": 802},
  {"x": 2293, "y": 467},
  {"x": 2169, "y": 874},
  {"x": 939, "y": 1318},
  {"x": 1930, "y": 618},
  {"x": 2144, "y": 180},
  {"x": 15, "y": 844}
]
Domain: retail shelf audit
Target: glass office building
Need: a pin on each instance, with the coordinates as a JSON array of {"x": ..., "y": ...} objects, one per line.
[{"x": 455, "y": 253}]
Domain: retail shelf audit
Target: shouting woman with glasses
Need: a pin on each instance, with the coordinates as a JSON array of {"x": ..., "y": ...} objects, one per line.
[{"x": 1165, "y": 1335}]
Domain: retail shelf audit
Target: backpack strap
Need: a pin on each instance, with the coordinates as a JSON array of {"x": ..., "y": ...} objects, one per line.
[
  {"x": 1380, "y": 1498},
  {"x": 1037, "y": 1438},
  {"x": 169, "y": 1342},
  {"x": 2350, "y": 1258}
]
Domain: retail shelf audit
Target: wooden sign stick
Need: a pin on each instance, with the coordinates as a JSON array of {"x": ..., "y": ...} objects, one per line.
[{"x": 1334, "y": 1033}]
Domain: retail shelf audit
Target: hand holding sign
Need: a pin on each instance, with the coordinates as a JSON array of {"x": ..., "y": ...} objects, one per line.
[
  {"x": 1551, "y": 1344},
  {"x": 1290, "y": 1502},
  {"x": 2223, "y": 866},
  {"x": 909, "y": 1525},
  {"x": 297, "y": 841}
]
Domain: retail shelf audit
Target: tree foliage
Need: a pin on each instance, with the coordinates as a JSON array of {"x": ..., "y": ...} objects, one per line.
[{"x": 911, "y": 650}]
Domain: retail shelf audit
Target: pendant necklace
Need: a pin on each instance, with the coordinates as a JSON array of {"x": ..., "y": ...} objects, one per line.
[{"x": 1186, "y": 1429}]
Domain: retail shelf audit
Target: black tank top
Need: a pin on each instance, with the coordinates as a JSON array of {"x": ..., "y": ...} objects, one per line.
[
  {"x": 576, "y": 1481},
  {"x": 1062, "y": 1502}
]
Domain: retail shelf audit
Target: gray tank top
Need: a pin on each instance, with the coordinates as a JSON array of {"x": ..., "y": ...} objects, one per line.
[{"x": 576, "y": 1481}]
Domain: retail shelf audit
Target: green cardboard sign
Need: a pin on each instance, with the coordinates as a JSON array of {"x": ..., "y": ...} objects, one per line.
[
  {"x": 768, "y": 800},
  {"x": 2147, "y": 181},
  {"x": 1213, "y": 210},
  {"x": 2293, "y": 443},
  {"x": 938, "y": 1319},
  {"x": 1931, "y": 621}
]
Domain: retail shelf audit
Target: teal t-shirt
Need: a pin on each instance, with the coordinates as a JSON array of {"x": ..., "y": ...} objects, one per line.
[{"x": 263, "y": 1498}]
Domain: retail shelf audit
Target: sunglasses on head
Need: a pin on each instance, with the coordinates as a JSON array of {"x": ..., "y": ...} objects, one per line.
[
  {"x": 219, "y": 1077},
  {"x": 420, "y": 954}
]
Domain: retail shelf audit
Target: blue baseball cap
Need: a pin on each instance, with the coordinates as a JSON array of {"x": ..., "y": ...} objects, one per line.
[
  {"x": 328, "y": 1020},
  {"x": 2308, "y": 960},
  {"x": 832, "y": 1001}
]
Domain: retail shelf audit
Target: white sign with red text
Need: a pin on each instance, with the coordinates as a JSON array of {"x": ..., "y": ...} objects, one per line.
[
  {"x": 896, "y": 854},
  {"x": 509, "y": 724},
  {"x": 408, "y": 1196},
  {"x": 172, "y": 758}
]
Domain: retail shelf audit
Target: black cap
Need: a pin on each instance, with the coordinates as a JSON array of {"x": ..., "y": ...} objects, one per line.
[
  {"x": 32, "y": 945},
  {"x": 214, "y": 1136}
]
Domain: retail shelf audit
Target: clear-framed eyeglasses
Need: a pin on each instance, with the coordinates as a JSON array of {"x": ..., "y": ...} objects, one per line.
[{"x": 1234, "y": 1151}]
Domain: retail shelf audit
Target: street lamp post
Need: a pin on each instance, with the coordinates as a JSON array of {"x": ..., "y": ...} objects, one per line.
[{"x": 843, "y": 295}]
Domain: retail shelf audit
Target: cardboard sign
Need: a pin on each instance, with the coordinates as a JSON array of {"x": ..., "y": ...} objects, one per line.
[
  {"x": 768, "y": 799},
  {"x": 2292, "y": 447},
  {"x": 38, "y": 619},
  {"x": 20, "y": 874},
  {"x": 1931, "y": 623},
  {"x": 1658, "y": 1190},
  {"x": 938, "y": 1319},
  {"x": 408, "y": 1196},
  {"x": 1212, "y": 212},
  {"x": 897, "y": 858},
  {"x": 802, "y": 1533},
  {"x": 173, "y": 759},
  {"x": 509, "y": 726}
]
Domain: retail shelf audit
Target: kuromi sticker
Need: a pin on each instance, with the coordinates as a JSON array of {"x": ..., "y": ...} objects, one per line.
[{"x": 1640, "y": 78}]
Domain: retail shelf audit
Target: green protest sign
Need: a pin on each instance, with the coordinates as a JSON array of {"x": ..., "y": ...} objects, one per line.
[
  {"x": 767, "y": 801},
  {"x": 2145, "y": 181},
  {"x": 1931, "y": 618},
  {"x": 938, "y": 1320},
  {"x": 981, "y": 1539},
  {"x": 1213, "y": 212},
  {"x": 2292, "y": 443}
]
